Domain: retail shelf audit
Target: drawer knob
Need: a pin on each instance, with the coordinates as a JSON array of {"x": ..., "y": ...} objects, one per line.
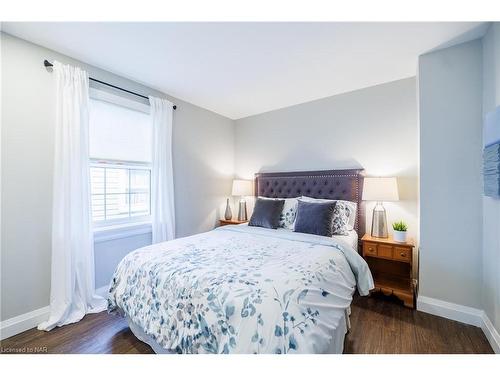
[{"x": 403, "y": 255}]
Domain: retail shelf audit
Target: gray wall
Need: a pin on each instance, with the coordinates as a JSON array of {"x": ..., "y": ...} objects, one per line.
[
  {"x": 109, "y": 253},
  {"x": 375, "y": 128},
  {"x": 450, "y": 174},
  {"x": 203, "y": 169},
  {"x": 491, "y": 207}
]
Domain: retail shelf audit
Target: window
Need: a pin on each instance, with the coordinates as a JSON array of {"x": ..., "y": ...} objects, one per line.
[
  {"x": 120, "y": 165},
  {"x": 120, "y": 193}
]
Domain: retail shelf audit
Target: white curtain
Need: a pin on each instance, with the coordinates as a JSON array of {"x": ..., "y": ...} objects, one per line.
[
  {"x": 162, "y": 184},
  {"x": 72, "y": 292}
]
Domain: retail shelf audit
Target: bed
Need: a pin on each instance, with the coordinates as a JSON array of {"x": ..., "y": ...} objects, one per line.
[{"x": 244, "y": 289}]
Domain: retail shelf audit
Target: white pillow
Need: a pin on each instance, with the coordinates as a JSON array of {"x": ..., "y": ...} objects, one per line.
[
  {"x": 352, "y": 206},
  {"x": 289, "y": 212}
]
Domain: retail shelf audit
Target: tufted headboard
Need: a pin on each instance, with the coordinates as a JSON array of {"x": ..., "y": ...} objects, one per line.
[{"x": 345, "y": 184}]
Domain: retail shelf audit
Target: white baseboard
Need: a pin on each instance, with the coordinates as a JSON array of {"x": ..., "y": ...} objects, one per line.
[
  {"x": 460, "y": 313},
  {"x": 463, "y": 314},
  {"x": 24, "y": 322},
  {"x": 21, "y": 323},
  {"x": 491, "y": 333}
]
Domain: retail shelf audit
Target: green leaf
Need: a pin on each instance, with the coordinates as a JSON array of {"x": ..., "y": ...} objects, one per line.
[{"x": 400, "y": 226}]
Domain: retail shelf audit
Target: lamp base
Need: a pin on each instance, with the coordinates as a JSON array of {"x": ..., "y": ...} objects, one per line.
[
  {"x": 379, "y": 222},
  {"x": 242, "y": 212}
]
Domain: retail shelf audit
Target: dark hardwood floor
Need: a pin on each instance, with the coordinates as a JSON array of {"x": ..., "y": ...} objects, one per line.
[
  {"x": 382, "y": 325},
  {"x": 379, "y": 325}
]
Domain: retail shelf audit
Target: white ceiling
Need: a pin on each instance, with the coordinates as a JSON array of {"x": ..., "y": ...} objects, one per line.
[{"x": 242, "y": 69}]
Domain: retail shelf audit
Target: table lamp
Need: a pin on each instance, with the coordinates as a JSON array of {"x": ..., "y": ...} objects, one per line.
[
  {"x": 242, "y": 188},
  {"x": 380, "y": 189}
]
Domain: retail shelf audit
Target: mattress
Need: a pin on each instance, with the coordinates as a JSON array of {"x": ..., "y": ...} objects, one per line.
[{"x": 241, "y": 289}]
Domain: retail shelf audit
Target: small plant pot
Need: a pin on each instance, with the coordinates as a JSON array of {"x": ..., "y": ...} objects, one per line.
[{"x": 399, "y": 236}]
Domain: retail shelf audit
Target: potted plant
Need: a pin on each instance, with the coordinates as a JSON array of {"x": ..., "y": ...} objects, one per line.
[{"x": 400, "y": 229}]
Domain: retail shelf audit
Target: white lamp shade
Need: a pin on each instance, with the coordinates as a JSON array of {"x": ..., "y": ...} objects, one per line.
[
  {"x": 380, "y": 189},
  {"x": 242, "y": 187}
]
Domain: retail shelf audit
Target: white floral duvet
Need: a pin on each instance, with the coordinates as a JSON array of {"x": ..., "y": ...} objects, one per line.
[{"x": 240, "y": 289}]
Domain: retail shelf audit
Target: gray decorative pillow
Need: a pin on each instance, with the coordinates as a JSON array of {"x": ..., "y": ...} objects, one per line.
[
  {"x": 340, "y": 222},
  {"x": 287, "y": 216},
  {"x": 352, "y": 206},
  {"x": 315, "y": 218},
  {"x": 266, "y": 213}
]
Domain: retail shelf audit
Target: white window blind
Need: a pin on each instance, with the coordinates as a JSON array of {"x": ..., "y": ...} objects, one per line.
[{"x": 119, "y": 133}]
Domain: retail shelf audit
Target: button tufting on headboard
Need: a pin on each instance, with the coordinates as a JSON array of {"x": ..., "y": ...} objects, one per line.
[{"x": 346, "y": 184}]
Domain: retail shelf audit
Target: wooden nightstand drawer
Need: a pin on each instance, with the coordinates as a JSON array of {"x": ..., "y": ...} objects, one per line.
[
  {"x": 369, "y": 248},
  {"x": 403, "y": 254},
  {"x": 384, "y": 251}
]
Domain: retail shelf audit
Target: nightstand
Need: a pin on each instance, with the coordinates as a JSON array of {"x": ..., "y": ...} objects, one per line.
[
  {"x": 391, "y": 264},
  {"x": 223, "y": 222}
]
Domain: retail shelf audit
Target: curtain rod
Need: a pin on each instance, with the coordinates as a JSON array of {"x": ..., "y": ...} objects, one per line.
[{"x": 50, "y": 65}]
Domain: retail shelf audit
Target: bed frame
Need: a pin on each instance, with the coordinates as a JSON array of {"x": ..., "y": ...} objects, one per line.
[{"x": 345, "y": 184}]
